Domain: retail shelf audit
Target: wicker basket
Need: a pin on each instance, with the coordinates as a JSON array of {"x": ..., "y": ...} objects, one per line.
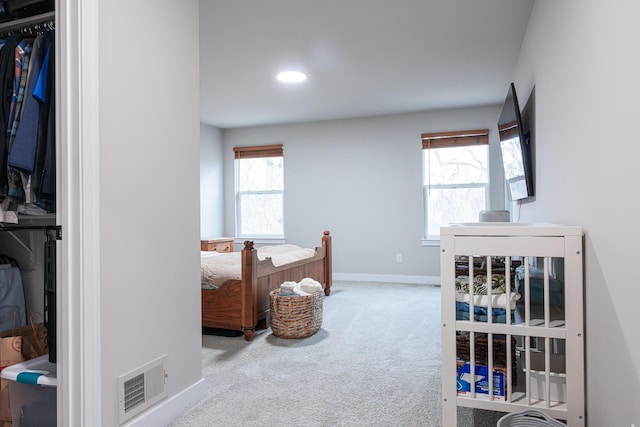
[{"x": 295, "y": 316}]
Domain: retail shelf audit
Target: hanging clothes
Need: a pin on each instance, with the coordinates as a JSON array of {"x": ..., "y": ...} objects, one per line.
[
  {"x": 7, "y": 68},
  {"x": 13, "y": 312},
  {"x": 15, "y": 192},
  {"x": 44, "y": 173},
  {"x": 27, "y": 115},
  {"x": 12, "y": 299},
  {"x": 22, "y": 149}
]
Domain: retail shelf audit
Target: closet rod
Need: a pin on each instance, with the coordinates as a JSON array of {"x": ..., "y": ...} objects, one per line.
[
  {"x": 18, "y": 24},
  {"x": 12, "y": 228},
  {"x": 28, "y": 227}
]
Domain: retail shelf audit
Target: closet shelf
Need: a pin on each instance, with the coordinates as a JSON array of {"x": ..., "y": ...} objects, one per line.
[{"x": 31, "y": 221}]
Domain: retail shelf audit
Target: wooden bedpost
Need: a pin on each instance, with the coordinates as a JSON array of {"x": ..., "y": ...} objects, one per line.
[
  {"x": 249, "y": 279},
  {"x": 326, "y": 242}
]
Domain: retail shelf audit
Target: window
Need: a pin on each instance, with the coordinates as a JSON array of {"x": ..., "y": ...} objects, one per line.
[
  {"x": 455, "y": 179},
  {"x": 259, "y": 191}
]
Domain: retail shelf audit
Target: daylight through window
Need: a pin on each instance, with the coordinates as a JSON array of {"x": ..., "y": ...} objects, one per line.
[
  {"x": 259, "y": 191},
  {"x": 455, "y": 178}
]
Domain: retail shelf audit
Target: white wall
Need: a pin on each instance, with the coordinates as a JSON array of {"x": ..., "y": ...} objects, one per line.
[
  {"x": 149, "y": 196},
  {"x": 581, "y": 56},
  {"x": 211, "y": 182},
  {"x": 361, "y": 179}
]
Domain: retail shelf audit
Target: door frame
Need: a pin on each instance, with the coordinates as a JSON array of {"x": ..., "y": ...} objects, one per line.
[{"x": 78, "y": 297}]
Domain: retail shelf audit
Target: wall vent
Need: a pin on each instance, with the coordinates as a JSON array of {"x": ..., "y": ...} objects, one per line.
[{"x": 142, "y": 388}]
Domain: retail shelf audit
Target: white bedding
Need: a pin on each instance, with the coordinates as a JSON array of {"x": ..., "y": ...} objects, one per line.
[
  {"x": 497, "y": 300},
  {"x": 217, "y": 268},
  {"x": 480, "y": 291}
]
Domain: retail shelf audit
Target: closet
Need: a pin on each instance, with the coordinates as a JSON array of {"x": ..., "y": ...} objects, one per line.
[
  {"x": 512, "y": 319},
  {"x": 28, "y": 230},
  {"x": 28, "y": 155}
]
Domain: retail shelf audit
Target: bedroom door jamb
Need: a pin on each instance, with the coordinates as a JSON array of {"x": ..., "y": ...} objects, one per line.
[{"x": 78, "y": 299}]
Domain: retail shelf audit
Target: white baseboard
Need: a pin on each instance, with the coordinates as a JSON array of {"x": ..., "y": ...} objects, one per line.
[
  {"x": 169, "y": 409},
  {"x": 387, "y": 278}
]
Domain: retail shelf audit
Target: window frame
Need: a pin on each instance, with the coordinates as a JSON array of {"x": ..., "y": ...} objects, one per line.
[
  {"x": 453, "y": 139},
  {"x": 253, "y": 152}
]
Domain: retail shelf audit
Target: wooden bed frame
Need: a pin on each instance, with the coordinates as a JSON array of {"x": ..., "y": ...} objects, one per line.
[{"x": 241, "y": 305}]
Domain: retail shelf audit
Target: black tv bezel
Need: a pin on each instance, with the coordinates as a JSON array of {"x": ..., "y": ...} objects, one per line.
[{"x": 525, "y": 143}]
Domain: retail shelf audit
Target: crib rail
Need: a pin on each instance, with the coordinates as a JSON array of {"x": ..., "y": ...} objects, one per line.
[{"x": 520, "y": 315}]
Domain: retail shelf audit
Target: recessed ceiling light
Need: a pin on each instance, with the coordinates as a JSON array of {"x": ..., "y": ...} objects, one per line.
[{"x": 292, "y": 76}]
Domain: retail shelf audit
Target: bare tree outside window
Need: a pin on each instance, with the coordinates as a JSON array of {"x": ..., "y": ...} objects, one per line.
[
  {"x": 260, "y": 191},
  {"x": 514, "y": 168},
  {"x": 456, "y": 185}
]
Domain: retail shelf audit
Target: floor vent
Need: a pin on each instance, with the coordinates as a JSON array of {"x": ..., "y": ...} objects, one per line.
[{"x": 142, "y": 388}]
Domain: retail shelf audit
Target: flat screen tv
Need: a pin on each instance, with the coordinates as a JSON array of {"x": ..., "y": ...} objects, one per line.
[{"x": 516, "y": 148}]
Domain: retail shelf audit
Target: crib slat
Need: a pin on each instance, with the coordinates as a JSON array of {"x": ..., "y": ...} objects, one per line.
[
  {"x": 527, "y": 293},
  {"x": 527, "y": 376},
  {"x": 472, "y": 307},
  {"x": 490, "y": 364},
  {"x": 507, "y": 270},
  {"x": 509, "y": 383},
  {"x": 547, "y": 314},
  {"x": 489, "y": 290},
  {"x": 547, "y": 371},
  {"x": 472, "y": 362}
]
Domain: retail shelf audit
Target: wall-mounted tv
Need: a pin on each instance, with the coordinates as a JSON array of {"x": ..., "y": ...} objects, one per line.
[{"x": 516, "y": 148}]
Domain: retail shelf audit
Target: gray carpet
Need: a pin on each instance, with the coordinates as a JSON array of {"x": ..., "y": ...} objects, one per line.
[{"x": 374, "y": 362}]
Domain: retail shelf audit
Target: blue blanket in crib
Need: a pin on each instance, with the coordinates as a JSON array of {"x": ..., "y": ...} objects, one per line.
[{"x": 480, "y": 313}]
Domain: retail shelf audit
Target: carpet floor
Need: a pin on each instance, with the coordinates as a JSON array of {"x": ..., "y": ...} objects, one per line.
[{"x": 374, "y": 362}]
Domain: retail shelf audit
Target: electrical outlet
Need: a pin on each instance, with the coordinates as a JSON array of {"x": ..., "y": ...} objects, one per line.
[{"x": 398, "y": 257}]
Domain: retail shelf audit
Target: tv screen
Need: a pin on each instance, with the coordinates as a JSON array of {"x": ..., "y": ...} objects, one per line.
[{"x": 515, "y": 147}]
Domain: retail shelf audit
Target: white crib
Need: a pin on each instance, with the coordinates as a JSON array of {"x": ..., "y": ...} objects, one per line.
[{"x": 507, "y": 354}]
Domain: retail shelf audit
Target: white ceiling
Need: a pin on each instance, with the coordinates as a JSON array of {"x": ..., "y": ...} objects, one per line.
[{"x": 362, "y": 57}]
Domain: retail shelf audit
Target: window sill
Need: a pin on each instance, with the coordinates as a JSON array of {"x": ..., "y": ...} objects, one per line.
[
  {"x": 431, "y": 242},
  {"x": 261, "y": 240}
]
